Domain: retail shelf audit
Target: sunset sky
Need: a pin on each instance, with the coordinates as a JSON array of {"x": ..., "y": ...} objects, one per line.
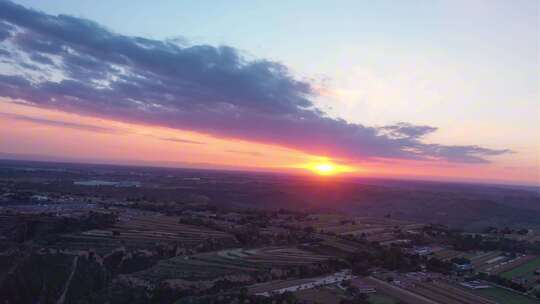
[{"x": 444, "y": 90}]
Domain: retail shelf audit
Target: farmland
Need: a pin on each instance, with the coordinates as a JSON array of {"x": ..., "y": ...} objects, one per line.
[
  {"x": 326, "y": 295},
  {"x": 445, "y": 293},
  {"x": 142, "y": 230},
  {"x": 344, "y": 225},
  {"x": 296, "y": 285},
  {"x": 192, "y": 269},
  {"x": 371, "y": 229},
  {"x": 333, "y": 295},
  {"x": 271, "y": 256},
  {"x": 186, "y": 237},
  {"x": 524, "y": 270},
  {"x": 511, "y": 264},
  {"x": 426, "y": 288},
  {"x": 379, "y": 298},
  {"x": 217, "y": 264},
  {"x": 485, "y": 259},
  {"x": 278, "y": 284},
  {"x": 448, "y": 254},
  {"x": 399, "y": 293},
  {"x": 505, "y": 296},
  {"x": 333, "y": 246}
]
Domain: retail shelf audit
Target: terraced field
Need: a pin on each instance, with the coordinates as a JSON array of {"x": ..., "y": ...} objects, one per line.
[
  {"x": 194, "y": 269},
  {"x": 229, "y": 262},
  {"x": 333, "y": 246},
  {"x": 269, "y": 256},
  {"x": 143, "y": 231},
  {"x": 340, "y": 224}
]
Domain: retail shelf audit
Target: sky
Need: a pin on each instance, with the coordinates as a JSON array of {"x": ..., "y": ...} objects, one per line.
[{"x": 417, "y": 89}]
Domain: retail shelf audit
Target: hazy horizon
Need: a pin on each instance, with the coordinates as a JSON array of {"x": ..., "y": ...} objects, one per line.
[
  {"x": 212, "y": 167},
  {"x": 443, "y": 90}
]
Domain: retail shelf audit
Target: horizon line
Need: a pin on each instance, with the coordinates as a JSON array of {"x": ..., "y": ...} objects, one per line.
[{"x": 252, "y": 170}]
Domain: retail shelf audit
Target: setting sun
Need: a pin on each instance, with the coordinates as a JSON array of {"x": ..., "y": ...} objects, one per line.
[{"x": 324, "y": 169}]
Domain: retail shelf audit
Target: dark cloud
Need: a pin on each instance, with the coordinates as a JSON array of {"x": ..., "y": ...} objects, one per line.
[
  {"x": 5, "y": 31},
  {"x": 4, "y": 53},
  {"x": 213, "y": 90},
  {"x": 406, "y": 130},
  {"x": 38, "y": 43},
  {"x": 41, "y": 59},
  {"x": 59, "y": 123},
  {"x": 464, "y": 154}
]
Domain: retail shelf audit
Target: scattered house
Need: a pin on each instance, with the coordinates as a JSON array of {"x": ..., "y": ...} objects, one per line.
[
  {"x": 94, "y": 183},
  {"x": 363, "y": 287},
  {"x": 232, "y": 216},
  {"x": 128, "y": 184},
  {"x": 475, "y": 285},
  {"x": 496, "y": 259},
  {"x": 521, "y": 281},
  {"x": 97, "y": 183},
  {"x": 422, "y": 251},
  {"x": 462, "y": 266},
  {"x": 200, "y": 214},
  {"x": 39, "y": 198},
  {"x": 396, "y": 242},
  {"x": 413, "y": 232},
  {"x": 194, "y": 179},
  {"x": 335, "y": 278}
]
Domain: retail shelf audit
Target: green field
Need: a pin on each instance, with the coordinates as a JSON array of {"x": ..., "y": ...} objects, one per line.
[
  {"x": 381, "y": 299},
  {"x": 504, "y": 296},
  {"x": 525, "y": 270}
]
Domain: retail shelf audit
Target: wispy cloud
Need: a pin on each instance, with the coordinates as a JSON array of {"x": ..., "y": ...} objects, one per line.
[
  {"x": 179, "y": 140},
  {"x": 59, "y": 123},
  {"x": 88, "y": 127},
  {"x": 75, "y": 65},
  {"x": 250, "y": 153}
]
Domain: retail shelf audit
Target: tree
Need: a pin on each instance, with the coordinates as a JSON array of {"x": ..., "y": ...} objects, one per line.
[
  {"x": 243, "y": 294},
  {"x": 309, "y": 229}
]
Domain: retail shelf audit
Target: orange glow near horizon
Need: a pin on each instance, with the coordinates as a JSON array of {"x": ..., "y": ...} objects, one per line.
[
  {"x": 326, "y": 167},
  {"x": 151, "y": 145}
]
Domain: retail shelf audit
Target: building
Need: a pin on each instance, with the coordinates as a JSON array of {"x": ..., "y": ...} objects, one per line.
[
  {"x": 422, "y": 251},
  {"x": 475, "y": 285},
  {"x": 362, "y": 286}
]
